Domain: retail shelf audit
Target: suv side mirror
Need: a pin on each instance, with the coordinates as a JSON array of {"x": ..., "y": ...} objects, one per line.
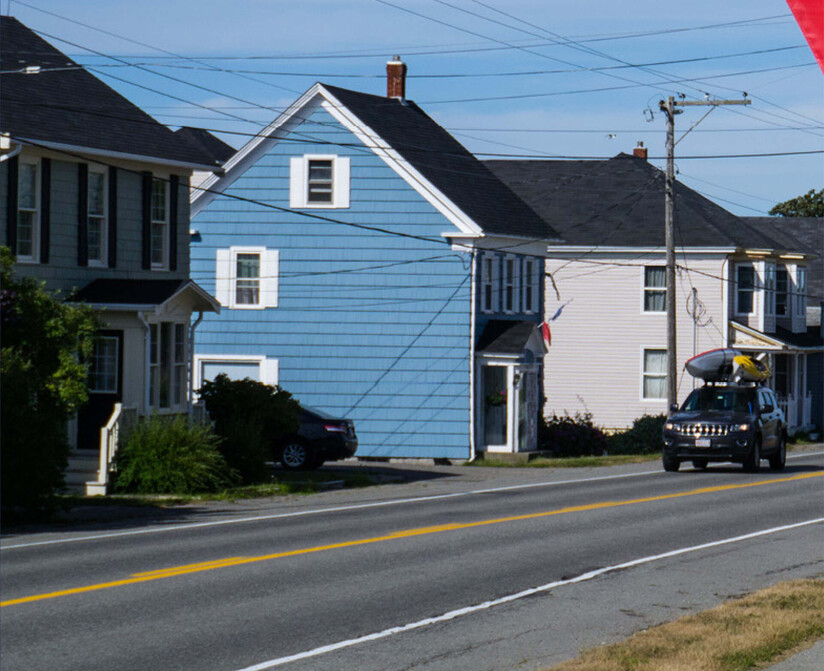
[
  {"x": 674, "y": 407},
  {"x": 766, "y": 409}
]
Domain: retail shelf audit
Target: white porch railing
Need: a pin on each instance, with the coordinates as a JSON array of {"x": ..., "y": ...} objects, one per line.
[
  {"x": 121, "y": 419},
  {"x": 798, "y": 412}
]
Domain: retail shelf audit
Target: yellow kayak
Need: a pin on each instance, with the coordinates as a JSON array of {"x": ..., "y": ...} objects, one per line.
[{"x": 747, "y": 368}]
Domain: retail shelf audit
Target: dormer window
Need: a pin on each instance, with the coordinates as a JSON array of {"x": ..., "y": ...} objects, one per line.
[
  {"x": 782, "y": 288},
  {"x": 319, "y": 181},
  {"x": 800, "y": 305}
]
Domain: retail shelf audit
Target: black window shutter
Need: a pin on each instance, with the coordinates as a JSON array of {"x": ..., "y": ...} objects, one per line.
[
  {"x": 174, "y": 187},
  {"x": 82, "y": 214},
  {"x": 11, "y": 205},
  {"x": 147, "y": 221},
  {"x": 112, "y": 217},
  {"x": 45, "y": 209}
]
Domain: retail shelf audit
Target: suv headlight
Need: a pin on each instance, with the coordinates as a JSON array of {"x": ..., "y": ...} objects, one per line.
[
  {"x": 743, "y": 427},
  {"x": 669, "y": 426}
]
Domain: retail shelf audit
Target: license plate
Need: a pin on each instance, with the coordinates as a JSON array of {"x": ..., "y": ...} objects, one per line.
[{"x": 703, "y": 442}]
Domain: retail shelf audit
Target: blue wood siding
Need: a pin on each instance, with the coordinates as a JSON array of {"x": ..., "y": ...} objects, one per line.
[
  {"x": 369, "y": 325},
  {"x": 62, "y": 271}
]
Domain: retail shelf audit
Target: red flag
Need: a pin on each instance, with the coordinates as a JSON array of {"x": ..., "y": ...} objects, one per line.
[
  {"x": 809, "y": 14},
  {"x": 547, "y": 334}
]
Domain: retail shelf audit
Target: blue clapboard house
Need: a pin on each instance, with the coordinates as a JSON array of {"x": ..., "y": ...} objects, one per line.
[{"x": 371, "y": 266}]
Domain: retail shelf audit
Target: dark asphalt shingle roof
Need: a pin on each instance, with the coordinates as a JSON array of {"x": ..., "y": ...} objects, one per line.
[
  {"x": 501, "y": 336},
  {"x": 801, "y": 234},
  {"x": 65, "y": 104},
  {"x": 206, "y": 143},
  {"x": 620, "y": 202},
  {"x": 447, "y": 164},
  {"x": 128, "y": 292}
]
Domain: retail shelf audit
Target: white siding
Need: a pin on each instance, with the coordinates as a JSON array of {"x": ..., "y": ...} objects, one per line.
[{"x": 595, "y": 362}]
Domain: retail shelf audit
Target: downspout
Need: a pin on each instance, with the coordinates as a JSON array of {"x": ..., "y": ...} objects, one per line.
[
  {"x": 147, "y": 357},
  {"x": 191, "y": 395},
  {"x": 725, "y": 301},
  {"x": 473, "y": 312}
]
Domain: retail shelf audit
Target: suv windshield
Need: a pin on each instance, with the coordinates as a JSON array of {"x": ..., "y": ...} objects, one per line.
[{"x": 721, "y": 399}]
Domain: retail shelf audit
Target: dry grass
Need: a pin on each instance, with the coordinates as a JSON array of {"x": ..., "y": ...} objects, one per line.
[{"x": 748, "y": 633}]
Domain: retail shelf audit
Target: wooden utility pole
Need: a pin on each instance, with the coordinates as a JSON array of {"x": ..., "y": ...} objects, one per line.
[{"x": 669, "y": 108}]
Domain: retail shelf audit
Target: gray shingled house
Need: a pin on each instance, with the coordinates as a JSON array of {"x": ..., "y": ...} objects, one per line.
[{"x": 95, "y": 203}]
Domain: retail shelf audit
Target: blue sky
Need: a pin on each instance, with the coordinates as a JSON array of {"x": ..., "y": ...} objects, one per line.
[{"x": 551, "y": 79}]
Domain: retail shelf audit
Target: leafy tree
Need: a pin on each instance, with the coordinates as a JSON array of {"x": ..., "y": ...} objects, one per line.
[
  {"x": 42, "y": 382},
  {"x": 811, "y": 204}
]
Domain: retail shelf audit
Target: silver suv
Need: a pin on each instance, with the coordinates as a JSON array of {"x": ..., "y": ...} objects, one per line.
[{"x": 726, "y": 423}]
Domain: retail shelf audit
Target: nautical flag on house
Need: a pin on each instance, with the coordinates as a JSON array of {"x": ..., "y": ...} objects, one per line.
[{"x": 546, "y": 333}]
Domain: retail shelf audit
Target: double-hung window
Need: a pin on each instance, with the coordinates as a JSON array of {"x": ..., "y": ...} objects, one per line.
[
  {"x": 96, "y": 217},
  {"x": 247, "y": 277},
  {"x": 782, "y": 288},
  {"x": 530, "y": 287},
  {"x": 744, "y": 289},
  {"x": 510, "y": 284},
  {"x": 319, "y": 181},
  {"x": 28, "y": 211},
  {"x": 769, "y": 289},
  {"x": 800, "y": 303},
  {"x": 159, "y": 223},
  {"x": 655, "y": 288},
  {"x": 489, "y": 283},
  {"x": 654, "y": 384},
  {"x": 167, "y": 365}
]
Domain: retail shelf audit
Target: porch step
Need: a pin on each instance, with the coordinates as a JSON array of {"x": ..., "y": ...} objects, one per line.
[
  {"x": 512, "y": 457},
  {"x": 83, "y": 467}
]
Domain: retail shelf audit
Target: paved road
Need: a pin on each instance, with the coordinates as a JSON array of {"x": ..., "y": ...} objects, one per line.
[{"x": 461, "y": 569}]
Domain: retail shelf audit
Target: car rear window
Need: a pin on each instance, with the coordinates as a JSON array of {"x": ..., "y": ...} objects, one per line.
[{"x": 719, "y": 399}]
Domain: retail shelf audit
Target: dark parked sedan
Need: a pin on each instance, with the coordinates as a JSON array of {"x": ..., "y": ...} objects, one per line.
[
  {"x": 319, "y": 438},
  {"x": 726, "y": 423}
]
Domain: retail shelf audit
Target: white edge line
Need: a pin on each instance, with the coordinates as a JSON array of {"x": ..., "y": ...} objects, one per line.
[
  {"x": 468, "y": 610},
  {"x": 359, "y": 506}
]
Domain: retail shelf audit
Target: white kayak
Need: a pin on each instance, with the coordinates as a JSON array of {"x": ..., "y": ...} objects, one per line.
[{"x": 716, "y": 365}]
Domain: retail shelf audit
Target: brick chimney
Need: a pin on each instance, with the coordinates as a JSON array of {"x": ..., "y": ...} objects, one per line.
[
  {"x": 640, "y": 151},
  {"x": 396, "y": 79}
]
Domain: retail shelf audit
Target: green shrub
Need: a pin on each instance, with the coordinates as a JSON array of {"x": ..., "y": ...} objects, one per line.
[
  {"x": 249, "y": 416},
  {"x": 571, "y": 436},
  {"x": 645, "y": 437},
  {"x": 170, "y": 455}
]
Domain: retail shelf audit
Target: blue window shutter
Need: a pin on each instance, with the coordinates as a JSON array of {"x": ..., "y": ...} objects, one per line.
[
  {"x": 174, "y": 187},
  {"x": 45, "y": 209},
  {"x": 146, "y": 258},
  {"x": 82, "y": 214},
  {"x": 11, "y": 204},
  {"x": 112, "y": 217}
]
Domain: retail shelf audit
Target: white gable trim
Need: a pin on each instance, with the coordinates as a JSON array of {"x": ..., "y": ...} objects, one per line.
[{"x": 318, "y": 95}]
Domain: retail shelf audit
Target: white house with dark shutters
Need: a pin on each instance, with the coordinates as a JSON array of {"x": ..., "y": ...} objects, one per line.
[{"x": 95, "y": 203}]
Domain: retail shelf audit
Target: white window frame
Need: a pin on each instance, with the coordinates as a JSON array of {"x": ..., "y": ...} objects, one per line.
[
  {"x": 226, "y": 277},
  {"x": 800, "y": 291},
  {"x": 108, "y": 390},
  {"x": 645, "y": 375},
  {"x": 531, "y": 278},
  {"x": 34, "y": 257},
  {"x": 510, "y": 285},
  {"x": 269, "y": 368},
  {"x": 770, "y": 275},
  {"x": 647, "y": 289},
  {"x": 738, "y": 289},
  {"x": 177, "y": 365},
  {"x": 299, "y": 182},
  {"x": 785, "y": 292},
  {"x": 490, "y": 274},
  {"x": 103, "y": 218},
  {"x": 165, "y": 222}
]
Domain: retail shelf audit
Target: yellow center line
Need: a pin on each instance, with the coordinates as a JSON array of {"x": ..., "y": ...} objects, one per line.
[{"x": 173, "y": 571}]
